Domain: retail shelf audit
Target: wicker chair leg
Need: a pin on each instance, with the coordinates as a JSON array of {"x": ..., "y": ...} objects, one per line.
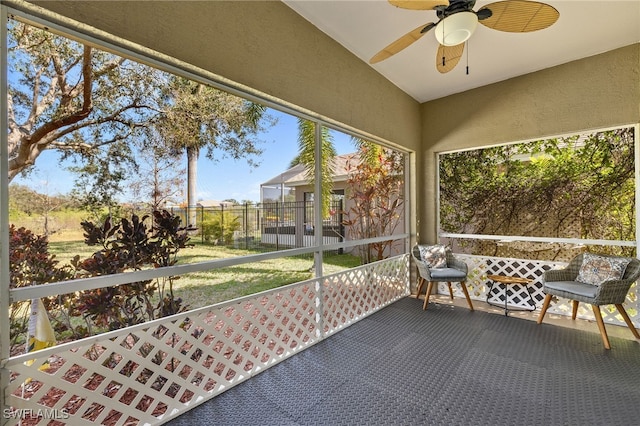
[
  {"x": 420, "y": 284},
  {"x": 466, "y": 294},
  {"x": 545, "y": 306},
  {"x": 574, "y": 312},
  {"x": 603, "y": 331},
  {"x": 626, "y": 318},
  {"x": 426, "y": 296}
]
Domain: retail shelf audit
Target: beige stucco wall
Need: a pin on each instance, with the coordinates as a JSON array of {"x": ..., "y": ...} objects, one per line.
[
  {"x": 263, "y": 45},
  {"x": 596, "y": 92}
]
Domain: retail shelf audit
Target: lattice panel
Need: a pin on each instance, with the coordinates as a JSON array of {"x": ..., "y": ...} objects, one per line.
[
  {"x": 478, "y": 286},
  {"x": 146, "y": 374},
  {"x": 517, "y": 295},
  {"x": 352, "y": 295},
  {"x": 150, "y": 373}
]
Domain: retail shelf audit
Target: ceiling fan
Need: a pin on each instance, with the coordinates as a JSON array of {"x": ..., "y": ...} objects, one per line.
[{"x": 457, "y": 22}]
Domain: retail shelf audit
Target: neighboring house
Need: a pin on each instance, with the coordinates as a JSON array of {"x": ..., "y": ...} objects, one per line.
[
  {"x": 293, "y": 185},
  {"x": 207, "y": 204},
  {"x": 288, "y": 203},
  {"x": 214, "y": 203}
]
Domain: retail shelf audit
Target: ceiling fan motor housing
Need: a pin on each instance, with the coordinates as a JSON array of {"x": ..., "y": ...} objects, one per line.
[{"x": 456, "y": 28}]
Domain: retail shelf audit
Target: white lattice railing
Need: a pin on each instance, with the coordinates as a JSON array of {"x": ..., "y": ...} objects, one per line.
[
  {"x": 478, "y": 285},
  {"x": 150, "y": 373}
]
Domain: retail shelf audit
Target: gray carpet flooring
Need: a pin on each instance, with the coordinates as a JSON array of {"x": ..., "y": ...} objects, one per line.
[{"x": 443, "y": 366}]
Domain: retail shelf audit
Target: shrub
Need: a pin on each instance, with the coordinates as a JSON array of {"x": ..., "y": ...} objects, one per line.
[
  {"x": 219, "y": 227},
  {"x": 127, "y": 246},
  {"x": 30, "y": 264}
]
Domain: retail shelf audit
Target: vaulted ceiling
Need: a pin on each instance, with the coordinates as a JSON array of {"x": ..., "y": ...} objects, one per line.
[{"x": 584, "y": 28}]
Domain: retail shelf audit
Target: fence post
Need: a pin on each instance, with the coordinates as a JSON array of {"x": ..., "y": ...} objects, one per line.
[
  {"x": 222, "y": 223},
  {"x": 201, "y": 223},
  {"x": 259, "y": 224},
  {"x": 340, "y": 224},
  {"x": 277, "y": 226},
  {"x": 246, "y": 227}
]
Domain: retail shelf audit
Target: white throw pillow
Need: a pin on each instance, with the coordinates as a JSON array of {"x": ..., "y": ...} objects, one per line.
[{"x": 435, "y": 256}]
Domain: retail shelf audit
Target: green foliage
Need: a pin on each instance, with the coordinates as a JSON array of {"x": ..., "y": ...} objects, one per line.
[
  {"x": 307, "y": 157},
  {"x": 126, "y": 246},
  {"x": 131, "y": 245},
  {"x": 101, "y": 179},
  {"x": 219, "y": 227},
  {"x": 30, "y": 264},
  {"x": 205, "y": 118},
  {"x": 73, "y": 98},
  {"x": 576, "y": 187}
]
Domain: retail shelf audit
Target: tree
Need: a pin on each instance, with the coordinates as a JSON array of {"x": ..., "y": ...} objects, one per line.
[
  {"x": 161, "y": 179},
  {"x": 96, "y": 108},
  {"x": 376, "y": 184},
  {"x": 200, "y": 117},
  {"x": 69, "y": 97},
  {"x": 307, "y": 157},
  {"x": 100, "y": 180},
  {"x": 26, "y": 201}
]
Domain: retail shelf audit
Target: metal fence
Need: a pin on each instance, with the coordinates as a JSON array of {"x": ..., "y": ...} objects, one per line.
[{"x": 270, "y": 225}]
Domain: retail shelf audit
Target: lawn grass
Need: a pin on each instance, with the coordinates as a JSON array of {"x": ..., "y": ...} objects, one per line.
[{"x": 208, "y": 287}]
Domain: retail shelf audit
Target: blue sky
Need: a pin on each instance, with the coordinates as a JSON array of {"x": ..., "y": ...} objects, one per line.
[{"x": 221, "y": 180}]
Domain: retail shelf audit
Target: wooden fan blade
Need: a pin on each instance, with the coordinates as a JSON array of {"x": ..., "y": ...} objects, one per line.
[
  {"x": 419, "y": 4},
  {"x": 400, "y": 44},
  {"x": 448, "y": 57},
  {"x": 519, "y": 16}
]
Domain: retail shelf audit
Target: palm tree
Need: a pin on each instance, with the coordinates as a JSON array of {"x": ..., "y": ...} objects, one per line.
[
  {"x": 375, "y": 181},
  {"x": 369, "y": 152},
  {"x": 202, "y": 117},
  {"x": 307, "y": 157}
]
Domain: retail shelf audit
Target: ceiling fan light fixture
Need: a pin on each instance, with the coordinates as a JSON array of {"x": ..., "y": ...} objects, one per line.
[{"x": 456, "y": 28}]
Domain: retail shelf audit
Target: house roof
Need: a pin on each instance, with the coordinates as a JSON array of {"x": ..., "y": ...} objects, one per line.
[
  {"x": 297, "y": 175},
  {"x": 213, "y": 203}
]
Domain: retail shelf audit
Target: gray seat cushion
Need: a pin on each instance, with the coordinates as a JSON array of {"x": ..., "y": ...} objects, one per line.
[
  {"x": 447, "y": 274},
  {"x": 575, "y": 287}
]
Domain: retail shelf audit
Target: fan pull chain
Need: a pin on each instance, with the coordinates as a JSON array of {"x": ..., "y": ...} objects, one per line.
[{"x": 467, "y": 58}]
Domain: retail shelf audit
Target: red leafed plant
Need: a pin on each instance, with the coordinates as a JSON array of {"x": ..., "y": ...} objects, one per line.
[{"x": 376, "y": 197}]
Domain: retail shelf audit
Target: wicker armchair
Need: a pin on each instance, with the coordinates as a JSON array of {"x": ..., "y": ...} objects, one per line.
[
  {"x": 562, "y": 283},
  {"x": 455, "y": 271}
]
